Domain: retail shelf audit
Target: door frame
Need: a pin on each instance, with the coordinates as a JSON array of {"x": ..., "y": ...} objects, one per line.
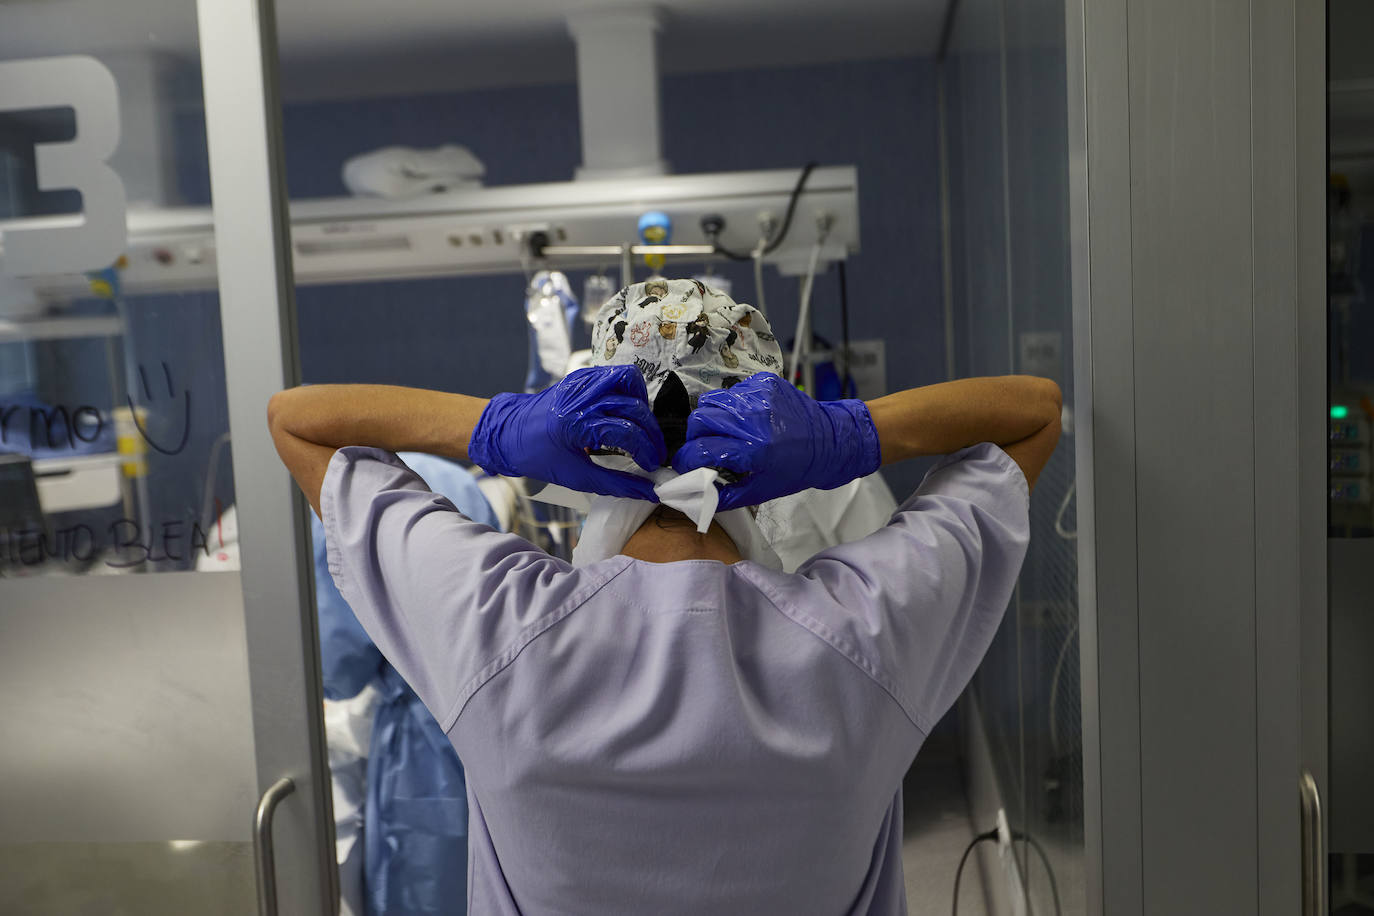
[
  {"x": 258, "y": 317},
  {"x": 1168, "y": 769}
]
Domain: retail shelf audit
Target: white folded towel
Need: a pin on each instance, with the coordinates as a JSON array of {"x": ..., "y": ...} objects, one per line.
[{"x": 398, "y": 172}]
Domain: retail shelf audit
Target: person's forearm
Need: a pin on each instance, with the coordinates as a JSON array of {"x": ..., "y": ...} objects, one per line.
[
  {"x": 943, "y": 418},
  {"x": 309, "y": 424},
  {"x": 382, "y": 416}
]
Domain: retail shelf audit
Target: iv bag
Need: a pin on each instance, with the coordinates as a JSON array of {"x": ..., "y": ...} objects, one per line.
[
  {"x": 595, "y": 292},
  {"x": 549, "y": 306}
]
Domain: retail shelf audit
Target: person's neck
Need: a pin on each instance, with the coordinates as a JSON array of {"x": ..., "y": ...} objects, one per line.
[{"x": 668, "y": 536}]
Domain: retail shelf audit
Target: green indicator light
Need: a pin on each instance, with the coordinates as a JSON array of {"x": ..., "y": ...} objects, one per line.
[{"x": 1340, "y": 412}]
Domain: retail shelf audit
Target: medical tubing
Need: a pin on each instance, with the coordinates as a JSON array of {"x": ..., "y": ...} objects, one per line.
[
  {"x": 804, "y": 314},
  {"x": 844, "y": 326},
  {"x": 758, "y": 281}
]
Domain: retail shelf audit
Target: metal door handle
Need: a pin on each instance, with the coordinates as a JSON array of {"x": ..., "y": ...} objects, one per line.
[
  {"x": 262, "y": 844},
  {"x": 1313, "y": 848}
]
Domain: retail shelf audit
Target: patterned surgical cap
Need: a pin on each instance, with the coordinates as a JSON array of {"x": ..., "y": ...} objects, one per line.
[{"x": 685, "y": 327}]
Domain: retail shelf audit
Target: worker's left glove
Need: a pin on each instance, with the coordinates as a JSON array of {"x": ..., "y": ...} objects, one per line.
[
  {"x": 548, "y": 435},
  {"x": 777, "y": 440}
]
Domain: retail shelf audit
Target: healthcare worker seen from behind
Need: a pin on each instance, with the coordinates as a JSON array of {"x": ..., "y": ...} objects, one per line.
[{"x": 679, "y": 727}]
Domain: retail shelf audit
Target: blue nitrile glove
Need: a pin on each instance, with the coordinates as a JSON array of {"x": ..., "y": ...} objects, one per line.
[
  {"x": 778, "y": 440},
  {"x": 546, "y": 435}
]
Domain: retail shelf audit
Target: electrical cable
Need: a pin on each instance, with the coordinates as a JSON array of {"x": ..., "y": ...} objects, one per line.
[
  {"x": 1035, "y": 844},
  {"x": 713, "y": 227},
  {"x": 959, "y": 872},
  {"x": 1015, "y": 835},
  {"x": 734, "y": 255},
  {"x": 791, "y": 208}
]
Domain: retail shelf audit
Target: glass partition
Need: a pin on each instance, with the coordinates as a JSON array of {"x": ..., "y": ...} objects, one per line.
[
  {"x": 1006, "y": 142},
  {"x": 1350, "y": 544},
  {"x": 127, "y": 749}
]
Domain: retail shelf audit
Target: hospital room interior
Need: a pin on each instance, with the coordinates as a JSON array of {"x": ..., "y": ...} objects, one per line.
[{"x": 443, "y": 196}]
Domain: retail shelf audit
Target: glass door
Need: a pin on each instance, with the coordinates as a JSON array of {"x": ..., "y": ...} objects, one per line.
[
  {"x": 156, "y": 686},
  {"x": 1005, "y": 138},
  {"x": 1350, "y": 409}
]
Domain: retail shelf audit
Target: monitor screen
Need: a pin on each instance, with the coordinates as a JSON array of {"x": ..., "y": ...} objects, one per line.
[{"x": 19, "y": 506}]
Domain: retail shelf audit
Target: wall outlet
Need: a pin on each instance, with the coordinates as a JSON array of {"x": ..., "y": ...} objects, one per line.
[{"x": 1041, "y": 353}]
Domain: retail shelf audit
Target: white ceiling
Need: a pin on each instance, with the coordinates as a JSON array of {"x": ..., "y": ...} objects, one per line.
[{"x": 349, "y": 48}]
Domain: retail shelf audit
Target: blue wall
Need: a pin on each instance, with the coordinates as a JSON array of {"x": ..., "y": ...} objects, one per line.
[{"x": 469, "y": 334}]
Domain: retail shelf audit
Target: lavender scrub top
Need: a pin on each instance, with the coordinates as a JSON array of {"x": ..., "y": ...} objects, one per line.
[{"x": 688, "y": 737}]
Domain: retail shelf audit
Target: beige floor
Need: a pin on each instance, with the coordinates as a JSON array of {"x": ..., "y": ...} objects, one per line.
[
  {"x": 146, "y": 879},
  {"x": 936, "y": 829},
  {"x": 127, "y": 879}
]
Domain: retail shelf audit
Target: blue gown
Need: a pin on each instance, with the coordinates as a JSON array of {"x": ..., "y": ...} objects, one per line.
[{"x": 415, "y": 820}]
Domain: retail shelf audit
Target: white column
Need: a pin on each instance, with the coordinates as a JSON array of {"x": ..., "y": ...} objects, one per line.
[{"x": 617, "y": 88}]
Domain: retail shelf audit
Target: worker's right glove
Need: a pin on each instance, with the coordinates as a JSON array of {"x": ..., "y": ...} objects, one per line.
[
  {"x": 549, "y": 435},
  {"x": 777, "y": 440}
]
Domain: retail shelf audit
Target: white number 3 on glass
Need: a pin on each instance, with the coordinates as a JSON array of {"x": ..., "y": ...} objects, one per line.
[{"x": 96, "y": 237}]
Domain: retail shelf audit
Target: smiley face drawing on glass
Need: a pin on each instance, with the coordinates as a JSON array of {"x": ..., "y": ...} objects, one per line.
[{"x": 149, "y": 397}]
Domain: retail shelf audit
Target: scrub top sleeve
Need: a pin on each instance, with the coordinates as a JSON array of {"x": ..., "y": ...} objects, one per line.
[
  {"x": 443, "y": 597},
  {"x": 922, "y": 597},
  {"x": 349, "y": 660}
]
